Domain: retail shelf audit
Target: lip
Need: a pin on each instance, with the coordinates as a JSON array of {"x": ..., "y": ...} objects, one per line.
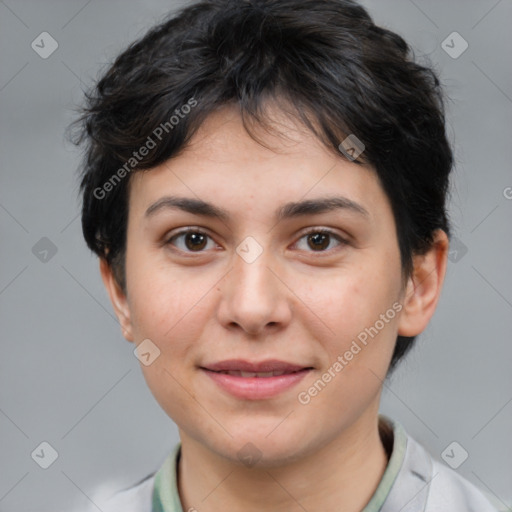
[{"x": 255, "y": 388}]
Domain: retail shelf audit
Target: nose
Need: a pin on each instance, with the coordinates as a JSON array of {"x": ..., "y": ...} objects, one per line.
[{"x": 254, "y": 297}]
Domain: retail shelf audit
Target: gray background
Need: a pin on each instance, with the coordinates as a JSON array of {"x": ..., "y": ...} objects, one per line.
[{"x": 69, "y": 378}]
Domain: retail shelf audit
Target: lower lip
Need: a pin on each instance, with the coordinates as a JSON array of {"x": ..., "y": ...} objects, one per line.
[{"x": 256, "y": 388}]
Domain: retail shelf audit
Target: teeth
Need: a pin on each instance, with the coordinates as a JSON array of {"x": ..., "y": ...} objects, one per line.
[
  {"x": 239, "y": 373},
  {"x": 250, "y": 374}
]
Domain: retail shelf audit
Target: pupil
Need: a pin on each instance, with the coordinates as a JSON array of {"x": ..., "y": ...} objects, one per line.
[
  {"x": 197, "y": 240},
  {"x": 319, "y": 238}
]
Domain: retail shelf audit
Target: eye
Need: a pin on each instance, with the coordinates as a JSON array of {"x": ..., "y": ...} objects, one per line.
[
  {"x": 196, "y": 240},
  {"x": 192, "y": 240},
  {"x": 320, "y": 239}
]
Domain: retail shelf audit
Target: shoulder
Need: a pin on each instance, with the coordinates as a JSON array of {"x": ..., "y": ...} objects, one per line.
[
  {"x": 449, "y": 491},
  {"x": 453, "y": 492},
  {"x": 135, "y": 499}
]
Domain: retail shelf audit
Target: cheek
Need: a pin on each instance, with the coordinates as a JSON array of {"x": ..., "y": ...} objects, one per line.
[
  {"x": 161, "y": 297},
  {"x": 169, "y": 314},
  {"x": 353, "y": 301},
  {"x": 357, "y": 306},
  {"x": 169, "y": 311},
  {"x": 358, "y": 353}
]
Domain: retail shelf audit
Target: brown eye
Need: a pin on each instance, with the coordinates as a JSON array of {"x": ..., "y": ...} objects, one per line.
[
  {"x": 320, "y": 240},
  {"x": 195, "y": 241},
  {"x": 191, "y": 240}
]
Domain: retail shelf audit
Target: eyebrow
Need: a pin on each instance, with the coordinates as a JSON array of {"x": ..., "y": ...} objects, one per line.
[{"x": 287, "y": 211}]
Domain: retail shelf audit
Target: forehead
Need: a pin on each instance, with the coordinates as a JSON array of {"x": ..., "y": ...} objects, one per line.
[{"x": 223, "y": 164}]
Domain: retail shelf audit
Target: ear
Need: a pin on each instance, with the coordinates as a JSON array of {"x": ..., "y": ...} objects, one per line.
[
  {"x": 118, "y": 299},
  {"x": 424, "y": 287}
]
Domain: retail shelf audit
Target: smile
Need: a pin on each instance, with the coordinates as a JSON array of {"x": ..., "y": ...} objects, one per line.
[
  {"x": 240, "y": 373},
  {"x": 255, "y": 381}
]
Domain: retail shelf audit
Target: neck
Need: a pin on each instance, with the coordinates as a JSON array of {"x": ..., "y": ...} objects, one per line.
[{"x": 342, "y": 475}]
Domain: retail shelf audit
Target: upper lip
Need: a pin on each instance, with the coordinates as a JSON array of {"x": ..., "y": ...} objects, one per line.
[{"x": 269, "y": 365}]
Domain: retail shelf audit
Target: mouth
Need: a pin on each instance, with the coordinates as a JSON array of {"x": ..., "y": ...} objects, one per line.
[
  {"x": 255, "y": 381},
  {"x": 261, "y": 375}
]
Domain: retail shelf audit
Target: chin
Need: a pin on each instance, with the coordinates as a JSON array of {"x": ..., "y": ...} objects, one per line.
[{"x": 259, "y": 449}]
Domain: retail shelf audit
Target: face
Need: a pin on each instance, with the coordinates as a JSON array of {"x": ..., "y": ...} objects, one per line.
[{"x": 268, "y": 281}]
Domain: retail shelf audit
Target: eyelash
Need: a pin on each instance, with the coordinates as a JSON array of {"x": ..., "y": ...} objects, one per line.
[{"x": 323, "y": 231}]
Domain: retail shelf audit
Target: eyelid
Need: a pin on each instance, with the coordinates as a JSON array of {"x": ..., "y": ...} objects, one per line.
[
  {"x": 315, "y": 229},
  {"x": 183, "y": 231},
  {"x": 322, "y": 230}
]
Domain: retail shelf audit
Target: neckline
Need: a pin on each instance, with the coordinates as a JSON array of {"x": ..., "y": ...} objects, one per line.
[{"x": 166, "y": 498}]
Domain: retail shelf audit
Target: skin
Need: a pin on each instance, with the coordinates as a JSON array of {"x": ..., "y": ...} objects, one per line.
[{"x": 295, "y": 302}]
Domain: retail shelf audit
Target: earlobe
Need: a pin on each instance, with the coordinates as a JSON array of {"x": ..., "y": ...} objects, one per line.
[
  {"x": 424, "y": 287},
  {"x": 117, "y": 298}
]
